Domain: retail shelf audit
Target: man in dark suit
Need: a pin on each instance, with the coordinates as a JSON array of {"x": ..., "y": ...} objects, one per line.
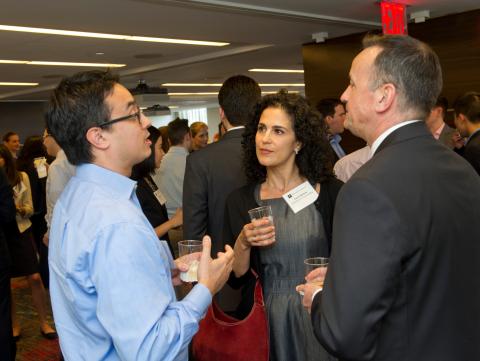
[
  {"x": 467, "y": 121},
  {"x": 435, "y": 122},
  {"x": 214, "y": 171},
  {"x": 402, "y": 280},
  {"x": 7, "y": 215}
]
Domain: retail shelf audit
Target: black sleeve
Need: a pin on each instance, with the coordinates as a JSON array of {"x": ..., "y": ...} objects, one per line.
[{"x": 7, "y": 205}]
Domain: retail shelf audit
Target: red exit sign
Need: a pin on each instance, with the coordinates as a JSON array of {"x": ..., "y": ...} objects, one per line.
[{"x": 393, "y": 18}]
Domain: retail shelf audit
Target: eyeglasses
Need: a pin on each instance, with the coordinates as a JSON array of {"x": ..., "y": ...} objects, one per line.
[{"x": 137, "y": 115}]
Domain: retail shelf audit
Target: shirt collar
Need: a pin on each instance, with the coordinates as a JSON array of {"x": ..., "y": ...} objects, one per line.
[
  {"x": 471, "y": 135},
  {"x": 118, "y": 185},
  {"x": 438, "y": 132},
  {"x": 178, "y": 149},
  {"x": 335, "y": 138},
  {"x": 386, "y": 133},
  {"x": 233, "y": 128}
]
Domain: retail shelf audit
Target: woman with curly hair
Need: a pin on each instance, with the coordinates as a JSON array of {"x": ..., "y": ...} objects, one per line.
[{"x": 285, "y": 146}]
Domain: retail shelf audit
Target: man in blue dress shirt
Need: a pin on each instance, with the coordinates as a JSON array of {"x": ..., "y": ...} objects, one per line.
[{"x": 111, "y": 278}]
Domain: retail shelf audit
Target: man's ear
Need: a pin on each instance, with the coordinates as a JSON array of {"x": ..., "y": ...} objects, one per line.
[
  {"x": 384, "y": 97},
  {"x": 221, "y": 112},
  {"x": 98, "y": 138}
]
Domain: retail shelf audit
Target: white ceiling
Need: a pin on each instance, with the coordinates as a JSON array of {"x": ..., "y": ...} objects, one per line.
[{"x": 262, "y": 33}]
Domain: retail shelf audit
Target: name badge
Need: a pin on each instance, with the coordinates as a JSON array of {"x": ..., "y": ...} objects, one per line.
[
  {"x": 300, "y": 197},
  {"x": 40, "y": 165},
  {"x": 160, "y": 197}
]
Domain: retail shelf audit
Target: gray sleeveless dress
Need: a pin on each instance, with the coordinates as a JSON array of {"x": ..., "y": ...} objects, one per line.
[{"x": 298, "y": 236}]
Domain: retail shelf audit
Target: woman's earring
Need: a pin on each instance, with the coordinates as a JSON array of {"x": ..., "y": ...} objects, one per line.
[{"x": 296, "y": 151}]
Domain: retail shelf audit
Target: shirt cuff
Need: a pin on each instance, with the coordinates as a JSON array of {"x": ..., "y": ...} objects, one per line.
[
  {"x": 316, "y": 292},
  {"x": 199, "y": 298}
]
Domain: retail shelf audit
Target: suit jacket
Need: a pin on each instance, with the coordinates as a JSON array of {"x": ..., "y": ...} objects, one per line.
[
  {"x": 446, "y": 136},
  {"x": 472, "y": 151},
  {"x": 211, "y": 174},
  {"x": 402, "y": 280}
]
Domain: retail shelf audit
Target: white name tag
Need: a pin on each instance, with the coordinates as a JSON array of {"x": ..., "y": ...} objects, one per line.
[
  {"x": 160, "y": 197},
  {"x": 300, "y": 197},
  {"x": 40, "y": 165}
]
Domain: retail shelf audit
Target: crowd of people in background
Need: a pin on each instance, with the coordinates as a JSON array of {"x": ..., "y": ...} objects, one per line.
[{"x": 107, "y": 209}]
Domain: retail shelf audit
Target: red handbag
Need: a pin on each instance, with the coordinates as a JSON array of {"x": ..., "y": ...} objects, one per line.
[{"x": 224, "y": 338}]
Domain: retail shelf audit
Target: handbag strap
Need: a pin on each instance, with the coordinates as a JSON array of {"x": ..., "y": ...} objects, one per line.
[{"x": 258, "y": 292}]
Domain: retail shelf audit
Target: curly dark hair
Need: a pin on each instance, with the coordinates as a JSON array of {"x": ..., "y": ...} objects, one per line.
[{"x": 313, "y": 159}]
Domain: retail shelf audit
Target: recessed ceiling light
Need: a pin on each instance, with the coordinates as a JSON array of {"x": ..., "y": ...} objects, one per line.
[
  {"x": 85, "y": 34},
  {"x": 186, "y": 94},
  {"x": 216, "y": 93},
  {"x": 7, "y": 83},
  {"x": 61, "y": 63},
  {"x": 276, "y": 70},
  {"x": 219, "y": 84},
  {"x": 99, "y": 53}
]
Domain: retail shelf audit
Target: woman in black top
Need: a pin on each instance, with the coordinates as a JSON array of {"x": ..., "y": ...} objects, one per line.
[
  {"x": 284, "y": 147},
  {"x": 151, "y": 199},
  {"x": 32, "y": 160}
]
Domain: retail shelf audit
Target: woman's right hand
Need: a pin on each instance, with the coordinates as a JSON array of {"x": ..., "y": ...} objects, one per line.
[{"x": 258, "y": 233}]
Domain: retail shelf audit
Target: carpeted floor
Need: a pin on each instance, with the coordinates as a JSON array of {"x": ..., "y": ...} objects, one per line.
[{"x": 32, "y": 346}]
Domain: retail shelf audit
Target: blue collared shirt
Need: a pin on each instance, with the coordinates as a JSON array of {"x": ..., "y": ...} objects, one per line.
[
  {"x": 335, "y": 143},
  {"x": 110, "y": 278}
]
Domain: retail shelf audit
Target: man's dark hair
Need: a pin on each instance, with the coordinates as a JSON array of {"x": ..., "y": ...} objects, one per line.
[
  {"x": 177, "y": 129},
  {"x": 7, "y": 136},
  {"x": 313, "y": 159},
  {"x": 147, "y": 166},
  {"x": 468, "y": 104},
  {"x": 76, "y": 105},
  {"x": 442, "y": 102},
  {"x": 412, "y": 66},
  {"x": 32, "y": 148},
  {"x": 326, "y": 106},
  {"x": 237, "y": 97}
]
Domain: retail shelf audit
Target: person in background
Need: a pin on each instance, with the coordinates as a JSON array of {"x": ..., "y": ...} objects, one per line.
[
  {"x": 435, "y": 122},
  {"x": 59, "y": 173},
  {"x": 345, "y": 167},
  {"x": 212, "y": 173},
  {"x": 7, "y": 216},
  {"x": 333, "y": 113},
  {"x": 32, "y": 160},
  {"x": 199, "y": 131},
  {"x": 165, "y": 141},
  {"x": 285, "y": 146},
  {"x": 170, "y": 175},
  {"x": 12, "y": 141},
  {"x": 21, "y": 245},
  {"x": 111, "y": 280},
  {"x": 402, "y": 278},
  {"x": 151, "y": 199},
  {"x": 467, "y": 121}
]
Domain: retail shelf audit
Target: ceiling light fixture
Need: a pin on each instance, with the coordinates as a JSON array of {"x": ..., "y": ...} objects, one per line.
[
  {"x": 259, "y": 70},
  {"x": 7, "y": 83},
  {"x": 216, "y": 93},
  {"x": 61, "y": 63},
  {"x": 85, "y": 34},
  {"x": 219, "y": 84}
]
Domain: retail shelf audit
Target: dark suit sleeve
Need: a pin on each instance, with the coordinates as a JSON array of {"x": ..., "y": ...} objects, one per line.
[
  {"x": 195, "y": 199},
  {"x": 472, "y": 155},
  {"x": 363, "y": 272}
]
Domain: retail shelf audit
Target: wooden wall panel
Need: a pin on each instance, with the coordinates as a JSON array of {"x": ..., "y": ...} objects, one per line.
[{"x": 455, "y": 38}]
